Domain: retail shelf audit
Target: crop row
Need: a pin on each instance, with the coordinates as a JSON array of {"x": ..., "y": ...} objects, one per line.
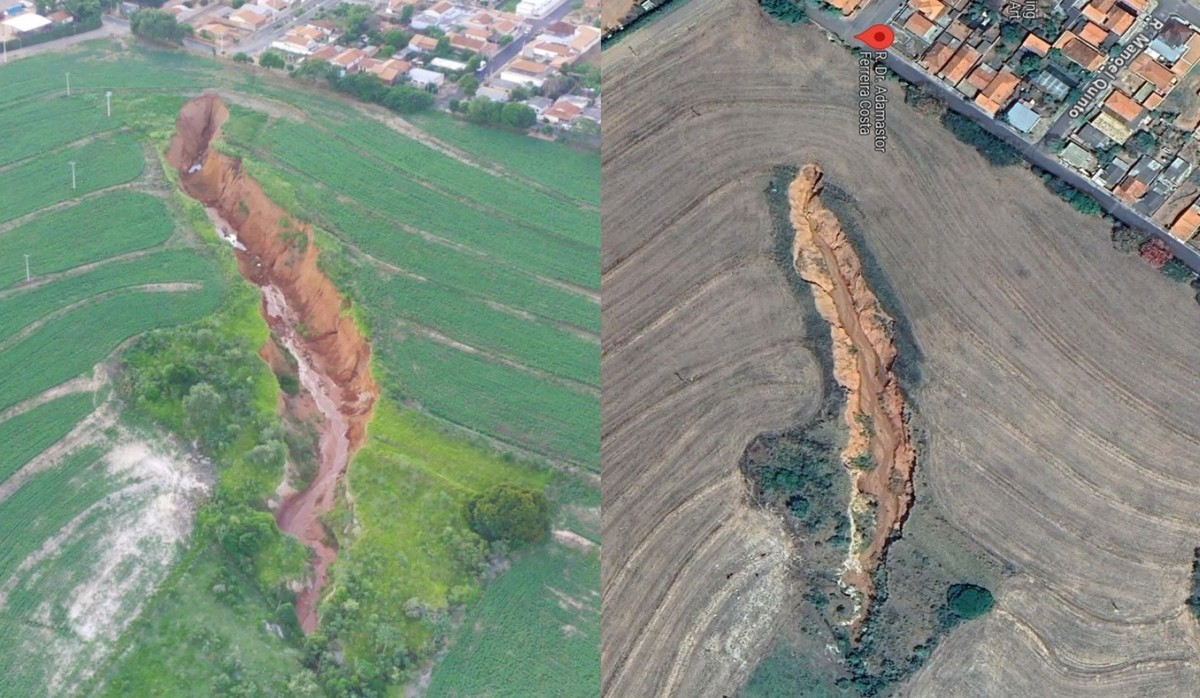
[
  {"x": 34, "y": 513},
  {"x": 72, "y": 343},
  {"x": 372, "y": 185},
  {"x": 513, "y": 639},
  {"x": 168, "y": 266},
  {"x": 572, "y": 173},
  {"x": 502, "y": 194},
  {"x": 96, "y": 70},
  {"x": 479, "y": 325},
  {"x": 110, "y": 225},
  {"x": 42, "y": 125},
  {"x": 500, "y": 401},
  {"x": 32, "y": 432},
  {"x": 46, "y": 179},
  {"x": 460, "y": 270}
]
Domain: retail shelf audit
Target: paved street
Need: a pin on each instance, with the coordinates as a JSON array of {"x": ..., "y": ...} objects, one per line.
[
  {"x": 507, "y": 53},
  {"x": 878, "y": 11}
]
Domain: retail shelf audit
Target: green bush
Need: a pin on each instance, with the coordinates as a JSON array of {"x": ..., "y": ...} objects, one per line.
[
  {"x": 967, "y": 601},
  {"x": 996, "y": 151},
  {"x": 509, "y": 513},
  {"x": 785, "y": 10}
]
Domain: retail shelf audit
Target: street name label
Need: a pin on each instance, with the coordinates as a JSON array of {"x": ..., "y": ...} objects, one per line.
[
  {"x": 1108, "y": 72},
  {"x": 872, "y": 98}
]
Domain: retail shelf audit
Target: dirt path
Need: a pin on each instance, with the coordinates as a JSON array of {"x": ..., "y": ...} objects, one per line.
[
  {"x": 878, "y": 453},
  {"x": 304, "y": 308}
]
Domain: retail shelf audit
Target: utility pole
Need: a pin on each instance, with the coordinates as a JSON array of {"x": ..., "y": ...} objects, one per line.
[
  {"x": 72, "y": 174},
  {"x": 108, "y": 99},
  {"x": 68, "y": 84},
  {"x": 27, "y": 268}
]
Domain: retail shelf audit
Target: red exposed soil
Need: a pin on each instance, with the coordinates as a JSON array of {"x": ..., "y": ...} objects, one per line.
[
  {"x": 303, "y": 307},
  {"x": 879, "y": 452}
]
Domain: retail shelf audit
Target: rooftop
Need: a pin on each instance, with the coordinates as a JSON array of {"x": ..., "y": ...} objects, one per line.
[
  {"x": 1123, "y": 106},
  {"x": 1035, "y": 44}
]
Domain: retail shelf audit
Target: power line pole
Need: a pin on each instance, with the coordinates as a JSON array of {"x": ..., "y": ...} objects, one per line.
[
  {"x": 72, "y": 174},
  {"x": 26, "y": 268},
  {"x": 68, "y": 84},
  {"x": 108, "y": 98}
]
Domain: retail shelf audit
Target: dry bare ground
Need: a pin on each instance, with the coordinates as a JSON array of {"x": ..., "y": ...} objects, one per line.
[{"x": 1060, "y": 391}]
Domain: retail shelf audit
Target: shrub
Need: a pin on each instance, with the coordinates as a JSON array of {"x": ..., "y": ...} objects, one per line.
[
  {"x": 968, "y": 601},
  {"x": 996, "y": 151},
  {"x": 1126, "y": 239},
  {"x": 785, "y": 10},
  {"x": 509, "y": 513}
]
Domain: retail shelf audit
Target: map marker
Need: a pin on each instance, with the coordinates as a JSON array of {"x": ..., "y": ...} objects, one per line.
[{"x": 878, "y": 36}]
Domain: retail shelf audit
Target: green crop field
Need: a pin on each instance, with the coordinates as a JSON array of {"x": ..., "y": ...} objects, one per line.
[
  {"x": 514, "y": 639},
  {"x": 571, "y": 173},
  {"x": 476, "y": 282},
  {"x": 42, "y": 125},
  {"x": 46, "y": 179},
  {"x": 168, "y": 266},
  {"x": 32, "y": 432},
  {"x": 103, "y": 227}
]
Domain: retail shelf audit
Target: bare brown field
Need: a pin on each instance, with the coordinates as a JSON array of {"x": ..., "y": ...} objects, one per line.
[{"x": 1060, "y": 395}]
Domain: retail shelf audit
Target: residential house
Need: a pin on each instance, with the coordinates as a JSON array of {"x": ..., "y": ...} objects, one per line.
[
  {"x": 960, "y": 64},
  {"x": 933, "y": 9},
  {"x": 463, "y": 42},
  {"x": 448, "y": 65},
  {"x": 921, "y": 27},
  {"x": 349, "y": 60},
  {"x": 1079, "y": 158},
  {"x": 1022, "y": 117},
  {"x": 1187, "y": 224},
  {"x": 425, "y": 79},
  {"x": 422, "y": 44},
  {"x": 1125, "y": 108},
  {"x": 998, "y": 92},
  {"x": 1078, "y": 51},
  {"x": 562, "y": 112},
  {"x": 251, "y": 17},
  {"x": 1035, "y": 44},
  {"x": 1114, "y": 128},
  {"x": 326, "y": 53},
  {"x": 525, "y": 72},
  {"x": 390, "y": 70},
  {"x": 539, "y": 105},
  {"x": 60, "y": 17}
]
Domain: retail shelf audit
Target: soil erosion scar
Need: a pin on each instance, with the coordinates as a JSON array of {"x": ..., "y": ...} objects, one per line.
[
  {"x": 879, "y": 451},
  {"x": 303, "y": 306}
]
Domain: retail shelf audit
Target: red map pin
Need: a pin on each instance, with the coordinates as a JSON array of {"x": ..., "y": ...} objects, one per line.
[{"x": 878, "y": 37}]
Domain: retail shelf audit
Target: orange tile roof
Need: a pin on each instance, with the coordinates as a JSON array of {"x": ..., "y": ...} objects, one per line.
[
  {"x": 1036, "y": 44},
  {"x": 933, "y": 9},
  {"x": 981, "y": 76},
  {"x": 1105, "y": 5},
  {"x": 918, "y": 24},
  {"x": 846, "y": 6},
  {"x": 1094, "y": 34},
  {"x": 990, "y": 106},
  {"x": 936, "y": 57},
  {"x": 1119, "y": 20},
  {"x": 964, "y": 59},
  {"x": 1184, "y": 65},
  {"x": 1131, "y": 189},
  {"x": 1123, "y": 106},
  {"x": 1094, "y": 13},
  {"x": 1153, "y": 71},
  {"x": 1153, "y": 100},
  {"x": 1136, "y": 5},
  {"x": 1078, "y": 51},
  {"x": 1003, "y": 86},
  {"x": 1187, "y": 224}
]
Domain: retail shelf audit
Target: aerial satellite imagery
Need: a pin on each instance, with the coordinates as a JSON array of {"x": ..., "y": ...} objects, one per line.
[{"x": 899, "y": 329}]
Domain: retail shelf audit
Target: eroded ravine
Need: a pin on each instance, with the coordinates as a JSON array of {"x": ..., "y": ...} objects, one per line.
[
  {"x": 304, "y": 308},
  {"x": 879, "y": 453}
]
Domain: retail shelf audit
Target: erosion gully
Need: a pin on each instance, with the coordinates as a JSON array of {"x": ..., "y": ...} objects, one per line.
[{"x": 276, "y": 252}]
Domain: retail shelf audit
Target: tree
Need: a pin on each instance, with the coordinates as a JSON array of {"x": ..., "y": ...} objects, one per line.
[
  {"x": 505, "y": 39},
  {"x": 241, "y": 57},
  {"x": 1143, "y": 142},
  {"x": 407, "y": 99},
  {"x": 158, "y": 25},
  {"x": 509, "y": 513},
  {"x": 785, "y": 10},
  {"x": 315, "y": 68},
  {"x": 406, "y": 14},
  {"x": 272, "y": 59},
  {"x": 518, "y": 116},
  {"x": 203, "y": 414},
  {"x": 83, "y": 10},
  {"x": 469, "y": 83}
]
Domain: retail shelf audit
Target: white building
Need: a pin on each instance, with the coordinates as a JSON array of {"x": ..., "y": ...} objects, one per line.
[
  {"x": 422, "y": 78},
  {"x": 447, "y": 64},
  {"x": 28, "y": 22},
  {"x": 538, "y": 9}
]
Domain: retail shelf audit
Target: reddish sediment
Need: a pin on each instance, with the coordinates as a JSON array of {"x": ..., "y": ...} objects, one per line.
[
  {"x": 304, "y": 308},
  {"x": 879, "y": 453}
]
